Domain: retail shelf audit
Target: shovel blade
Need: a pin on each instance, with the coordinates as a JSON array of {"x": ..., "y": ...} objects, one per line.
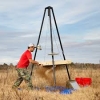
[{"x": 72, "y": 84}]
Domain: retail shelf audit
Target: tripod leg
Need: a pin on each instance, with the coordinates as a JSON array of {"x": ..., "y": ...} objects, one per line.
[
  {"x": 38, "y": 39},
  {"x": 49, "y": 14},
  {"x": 60, "y": 42}
]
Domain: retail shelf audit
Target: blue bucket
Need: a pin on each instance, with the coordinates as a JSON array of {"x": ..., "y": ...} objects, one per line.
[{"x": 62, "y": 90}]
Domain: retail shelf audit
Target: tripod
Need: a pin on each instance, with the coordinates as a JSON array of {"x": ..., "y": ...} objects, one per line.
[{"x": 50, "y": 10}]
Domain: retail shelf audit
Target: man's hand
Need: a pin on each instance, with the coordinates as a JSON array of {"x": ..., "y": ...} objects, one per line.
[
  {"x": 40, "y": 65},
  {"x": 33, "y": 61},
  {"x": 37, "y": 63}
]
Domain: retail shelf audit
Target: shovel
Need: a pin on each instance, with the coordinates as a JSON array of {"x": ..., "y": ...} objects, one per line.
[{"x": 71, "y": 84}]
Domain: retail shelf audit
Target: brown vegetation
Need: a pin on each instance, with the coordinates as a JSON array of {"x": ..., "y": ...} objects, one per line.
[{"x": 42, "y": 77}]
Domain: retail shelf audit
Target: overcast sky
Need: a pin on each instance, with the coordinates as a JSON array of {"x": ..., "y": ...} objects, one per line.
[{"x": 78, "y": 22}]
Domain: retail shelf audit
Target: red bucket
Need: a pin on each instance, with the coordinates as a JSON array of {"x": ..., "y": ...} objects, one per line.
[{"x": 83, "y": 81}]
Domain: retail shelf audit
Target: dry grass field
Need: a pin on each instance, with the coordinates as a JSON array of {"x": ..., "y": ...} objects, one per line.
[{"x": 43, "y": 77}]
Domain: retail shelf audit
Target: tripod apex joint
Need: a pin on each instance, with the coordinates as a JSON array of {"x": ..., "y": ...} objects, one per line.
[{"x": 49, "y": 7}]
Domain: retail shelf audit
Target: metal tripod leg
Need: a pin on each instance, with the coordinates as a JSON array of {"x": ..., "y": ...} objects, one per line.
[
  {"x": 49, "y": 14},
  {"x": 60, "y": 43},
  {"x": 38, "y": 38}
]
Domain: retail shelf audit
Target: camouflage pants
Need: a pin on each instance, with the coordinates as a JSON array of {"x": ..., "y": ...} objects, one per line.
[{"x": 23, "y": 74}]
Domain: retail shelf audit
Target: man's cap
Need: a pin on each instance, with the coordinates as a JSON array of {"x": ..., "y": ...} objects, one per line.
[{"x": 31, "y": 45}]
